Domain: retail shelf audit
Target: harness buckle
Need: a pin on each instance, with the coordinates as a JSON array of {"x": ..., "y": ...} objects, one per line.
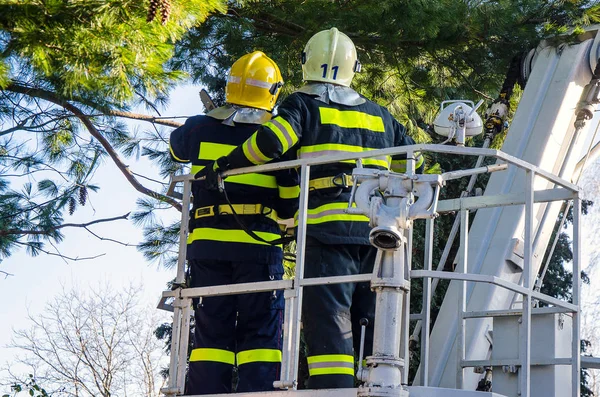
[{"x": 344, "y": 181}]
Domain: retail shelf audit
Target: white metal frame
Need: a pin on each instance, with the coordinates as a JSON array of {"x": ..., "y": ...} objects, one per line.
[{"x": 564, "y": 190}]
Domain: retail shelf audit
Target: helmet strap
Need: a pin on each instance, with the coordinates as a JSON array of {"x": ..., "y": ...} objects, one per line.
[
  {"x": 357, "y": 66},
  {"x": 275, "y": 87}
]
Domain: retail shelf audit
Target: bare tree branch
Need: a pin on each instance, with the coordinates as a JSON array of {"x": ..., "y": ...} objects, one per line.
[
  {"x": 64, "y": 257},
  {"x": 97, "y": 343},
  {"x": 151, "y": 119},
  {"x": 49, "y": 231},
  {"x": 110, "y": 239}
]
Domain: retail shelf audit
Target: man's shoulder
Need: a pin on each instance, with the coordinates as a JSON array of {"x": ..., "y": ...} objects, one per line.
[
  {"x": 199, "y": 119},
  {"x": 296, "y": 96}
]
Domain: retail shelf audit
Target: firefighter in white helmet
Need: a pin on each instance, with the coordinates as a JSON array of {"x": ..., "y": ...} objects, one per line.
[
  {"x": 227, "y": 248},
  {"x": 327, "y": 117}
]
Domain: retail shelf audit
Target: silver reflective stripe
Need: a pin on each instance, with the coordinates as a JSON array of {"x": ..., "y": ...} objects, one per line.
[
  {"x": 320, "y": 153},
  {"x": 329, "y": 364},
  {"x": 254, "y": 155},
  {"x": 284, "y": 131},
  {"x": 234, "y": 79},
  {"x": 321, "y": 214},
  {"x": 258, "y": 83}
]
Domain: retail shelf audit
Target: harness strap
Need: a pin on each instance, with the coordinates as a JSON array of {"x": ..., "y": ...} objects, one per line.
[
  {"x": 339, "y": 181},
  {"x": 239, "y": 209}
]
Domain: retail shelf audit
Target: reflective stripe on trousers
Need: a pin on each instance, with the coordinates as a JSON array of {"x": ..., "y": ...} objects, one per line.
[
  {"x": 215, "y": 355},
  {"x": 331, "y": 364},
  {"x": 259, "y": 355},
  {"x": 229, "y": 357}
]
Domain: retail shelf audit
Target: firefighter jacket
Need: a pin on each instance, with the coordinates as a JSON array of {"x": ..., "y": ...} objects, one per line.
[
  {"x": 309, "y": 127},
  {"x": 259, "y": 199}
]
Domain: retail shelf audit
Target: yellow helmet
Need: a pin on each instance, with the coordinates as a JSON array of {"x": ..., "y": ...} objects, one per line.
[
  {"x": 254, "y": 81},
  {"x": 330, "y": 57}
]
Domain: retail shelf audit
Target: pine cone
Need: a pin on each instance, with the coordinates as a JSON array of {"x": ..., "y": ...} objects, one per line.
[
  {"x": 165, "y": 11},
  {"x": 72, "y": 205},
  {"x": 154, "y": 4},
  {"x": 82, "y": 195}
]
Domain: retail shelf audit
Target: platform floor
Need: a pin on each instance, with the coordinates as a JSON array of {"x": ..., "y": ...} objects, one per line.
[{"x": 414, "y": 391}]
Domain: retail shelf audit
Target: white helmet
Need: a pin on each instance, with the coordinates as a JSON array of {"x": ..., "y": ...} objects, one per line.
[{"x": 330, "y": 57}]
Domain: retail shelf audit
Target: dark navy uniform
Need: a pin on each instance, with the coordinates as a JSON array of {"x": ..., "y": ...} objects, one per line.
[
  {"x": 337, "y": 242},
  {"x": 242, "y": 330}
]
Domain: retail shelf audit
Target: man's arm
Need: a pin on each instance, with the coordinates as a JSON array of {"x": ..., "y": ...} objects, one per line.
[
  {"x": 179, "y": 144},
  {"x": 288, "y": 183},
  {"x": 399, "y": 160},
  {"x": 273, "y": 138}
]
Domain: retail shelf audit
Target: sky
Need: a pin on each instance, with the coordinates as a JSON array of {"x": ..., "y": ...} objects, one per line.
[{"x": 36, "y": 280}]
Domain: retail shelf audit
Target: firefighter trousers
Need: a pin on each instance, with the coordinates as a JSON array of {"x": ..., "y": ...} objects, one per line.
[
  {"x": 331, "y": 314},
  {"x": 235, "y": 330}
]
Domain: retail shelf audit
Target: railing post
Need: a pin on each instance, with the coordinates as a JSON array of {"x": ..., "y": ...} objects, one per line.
[
  {"x": 462, "y": 296},
  {"x": 178, "y": 355},
  {"x": 426, "y": 307},
  {"x": 576, "y": 337},
  {"x": 525, "y": 333},
  {"x": 183, "y": 231},
  {"x": 296, "y": 315},
  {"x": 405, "y": 353}
]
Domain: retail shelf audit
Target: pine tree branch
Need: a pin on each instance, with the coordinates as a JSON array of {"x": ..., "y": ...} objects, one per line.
[
  {"x": 51, "y": 97},
  {"x": 64, "y": 257},
  {"x": 109, "y": 239},
  {"x": 49, "y": 231},
  {"x": 6, "y": 274}
]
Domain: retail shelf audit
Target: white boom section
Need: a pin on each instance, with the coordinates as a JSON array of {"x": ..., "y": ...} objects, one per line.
[{"x": 541, "y": 133}]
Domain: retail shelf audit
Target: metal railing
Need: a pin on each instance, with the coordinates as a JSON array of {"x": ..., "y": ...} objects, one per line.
[{"x": 179, "y": 299}]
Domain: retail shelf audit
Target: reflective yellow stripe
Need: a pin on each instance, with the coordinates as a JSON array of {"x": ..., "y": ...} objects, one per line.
[
  {"x": 331, "y": 364},
  {"x": 196, "y": 169},
  {"x": 253, "y": 153},
  {"x": 284, "y": 132},
  {"x": 330, "y": 148},
  {"x": 374, "y": 161},
  {"x": 213, "y": 151},
  {"x": 290, "y": 192},
  {"x": 260, "y": 180},
  {"x": 331, "y": 371},
  {"x": 259, "y": 355},
  {"x": 216, "y": 355},
  {"x": 420, "y": 160},
  {"x": 175, "y": 157},
  {"x": 229, "y": 236},
  {"x": 351, "y": 119},
  {"x": 331, "y": 212},
  {"x": 330, "y": 357},
  {"x": 400, "y": 165}
]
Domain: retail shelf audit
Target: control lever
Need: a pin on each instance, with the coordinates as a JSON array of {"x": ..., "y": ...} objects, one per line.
[{"x": 363, "y": 328}]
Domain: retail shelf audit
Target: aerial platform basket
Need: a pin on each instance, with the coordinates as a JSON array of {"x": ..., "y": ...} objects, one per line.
[{"x": 539, "y": 187}]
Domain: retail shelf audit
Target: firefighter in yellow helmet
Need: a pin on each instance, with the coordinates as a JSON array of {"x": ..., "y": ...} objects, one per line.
[
  {"x": 327, "y": 117},
  {"x": 242, "y": 330}
]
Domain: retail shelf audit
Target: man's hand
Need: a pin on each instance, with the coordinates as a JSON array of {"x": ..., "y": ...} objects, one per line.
[{"x": 212, "y": 174}]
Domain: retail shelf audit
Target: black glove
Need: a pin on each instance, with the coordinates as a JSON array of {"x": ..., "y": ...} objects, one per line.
[{"x": 212, "y": 174}]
